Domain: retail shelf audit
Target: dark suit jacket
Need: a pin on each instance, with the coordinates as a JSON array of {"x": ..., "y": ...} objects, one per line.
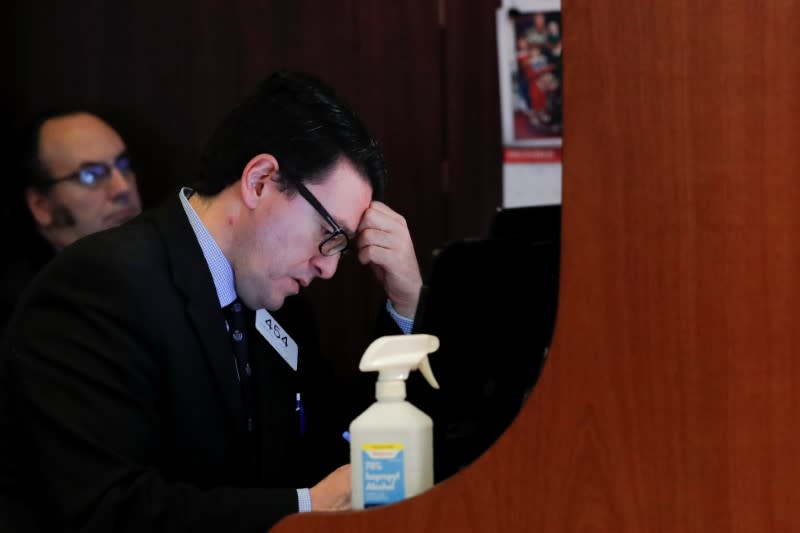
[
  {"x": 24, "y": 258},
  {"x": 119, "y": 388}
]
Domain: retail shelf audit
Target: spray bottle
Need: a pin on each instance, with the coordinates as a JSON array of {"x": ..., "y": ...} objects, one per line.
[{"x": 391, "y": 443}]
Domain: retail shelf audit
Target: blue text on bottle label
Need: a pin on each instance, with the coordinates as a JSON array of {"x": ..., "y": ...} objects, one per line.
[{"x": 382, "y": 473}]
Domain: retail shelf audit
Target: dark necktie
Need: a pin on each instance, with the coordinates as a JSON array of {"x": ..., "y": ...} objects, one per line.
[{"x": 239, "y": 321}]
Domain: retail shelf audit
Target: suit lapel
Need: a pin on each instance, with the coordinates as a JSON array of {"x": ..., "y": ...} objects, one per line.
[
  {"x": 193, "y": 279},
  {"x": 277, "y": 386},
  {"x": 272, "y": 398}
]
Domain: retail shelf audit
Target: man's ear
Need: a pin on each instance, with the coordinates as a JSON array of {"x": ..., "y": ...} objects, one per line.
[
  {"x": 257, "y": 179},
  {"x": 40, "y": 207}
]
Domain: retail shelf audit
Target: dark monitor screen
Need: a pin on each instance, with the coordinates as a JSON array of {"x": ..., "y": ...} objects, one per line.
[
  {"x": 492, "y": 304},
  {"x": 535, "y": 223}
]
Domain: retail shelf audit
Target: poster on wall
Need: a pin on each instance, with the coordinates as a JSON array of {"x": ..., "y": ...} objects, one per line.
[{"x": 529, "y": 57}]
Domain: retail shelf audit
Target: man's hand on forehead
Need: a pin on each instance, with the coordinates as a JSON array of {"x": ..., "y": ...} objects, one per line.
[{"x": 384, "y": 243}]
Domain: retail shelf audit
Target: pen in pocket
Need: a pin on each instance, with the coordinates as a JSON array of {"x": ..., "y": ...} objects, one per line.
[{"x": 301, "y": 415}]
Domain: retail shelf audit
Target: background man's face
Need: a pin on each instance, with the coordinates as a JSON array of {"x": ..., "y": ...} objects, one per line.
[{"x": 71, "y": 210}]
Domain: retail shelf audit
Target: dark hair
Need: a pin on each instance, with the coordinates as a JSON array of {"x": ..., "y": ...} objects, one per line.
[
  {"x": 33, "y": 171},
  {"x": 298, "y": 119},
  {"x": 29, "y": 169}
]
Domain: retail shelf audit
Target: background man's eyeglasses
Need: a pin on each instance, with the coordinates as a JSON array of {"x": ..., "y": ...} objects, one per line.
[
  {"x": 93, "y": 175},
  {"x": 338, "y": 241}
]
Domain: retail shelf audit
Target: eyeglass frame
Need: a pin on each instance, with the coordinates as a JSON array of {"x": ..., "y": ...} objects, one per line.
[
  {"x": 104, "y": 177},
  {"x": 337, "y": 229}
]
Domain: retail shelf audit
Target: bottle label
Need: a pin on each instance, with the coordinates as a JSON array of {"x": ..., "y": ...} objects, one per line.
[{"x": 382, "y": 472}]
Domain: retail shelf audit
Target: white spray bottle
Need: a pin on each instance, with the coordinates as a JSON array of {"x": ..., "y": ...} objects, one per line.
[{"x": 391, "y": 443}]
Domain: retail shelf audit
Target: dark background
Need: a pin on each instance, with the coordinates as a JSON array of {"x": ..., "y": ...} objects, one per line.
[{"x": 423, "y": 75}]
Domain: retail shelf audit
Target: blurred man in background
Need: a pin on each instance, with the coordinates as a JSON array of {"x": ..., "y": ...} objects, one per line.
[{"x": 76, "y": 179}]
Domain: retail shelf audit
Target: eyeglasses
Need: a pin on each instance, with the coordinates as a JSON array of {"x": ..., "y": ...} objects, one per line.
[
  {"x": 93, "y": 175},
  {"x": 338, "y": 241}
]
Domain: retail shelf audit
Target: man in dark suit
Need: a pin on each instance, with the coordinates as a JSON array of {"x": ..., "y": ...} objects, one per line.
[{"x": 134, "y": 399}]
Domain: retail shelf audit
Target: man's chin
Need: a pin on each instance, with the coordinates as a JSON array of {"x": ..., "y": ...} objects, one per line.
[
  {"x": 275, "y": 299},
  {"x": 275, "y": 303},
  {"x": 122, "y": 216}
]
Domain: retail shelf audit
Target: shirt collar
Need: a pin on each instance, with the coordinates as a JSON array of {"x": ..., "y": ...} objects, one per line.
[{"x": 218, "y": 264}]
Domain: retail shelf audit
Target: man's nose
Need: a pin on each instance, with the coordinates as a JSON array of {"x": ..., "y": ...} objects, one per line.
[
  {"x": 326, "y": 265},
  {"x": 120, "y": 185}
]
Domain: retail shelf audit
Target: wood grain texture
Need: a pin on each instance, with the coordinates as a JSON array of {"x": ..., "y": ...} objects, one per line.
[{"x": 670, "y": 402}]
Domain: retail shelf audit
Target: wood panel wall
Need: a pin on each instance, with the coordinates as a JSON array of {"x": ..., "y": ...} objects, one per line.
[{"x": 420, "y": 72}]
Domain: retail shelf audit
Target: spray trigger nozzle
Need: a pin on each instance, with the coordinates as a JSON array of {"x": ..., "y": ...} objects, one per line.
[{"x": 394, "y": 356}]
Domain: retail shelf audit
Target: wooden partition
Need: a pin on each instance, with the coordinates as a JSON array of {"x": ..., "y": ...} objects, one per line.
[{"x": 671, "y": 399}]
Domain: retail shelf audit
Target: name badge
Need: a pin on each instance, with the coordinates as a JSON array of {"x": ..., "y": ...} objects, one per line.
[{"x": 277, "y": 337}]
